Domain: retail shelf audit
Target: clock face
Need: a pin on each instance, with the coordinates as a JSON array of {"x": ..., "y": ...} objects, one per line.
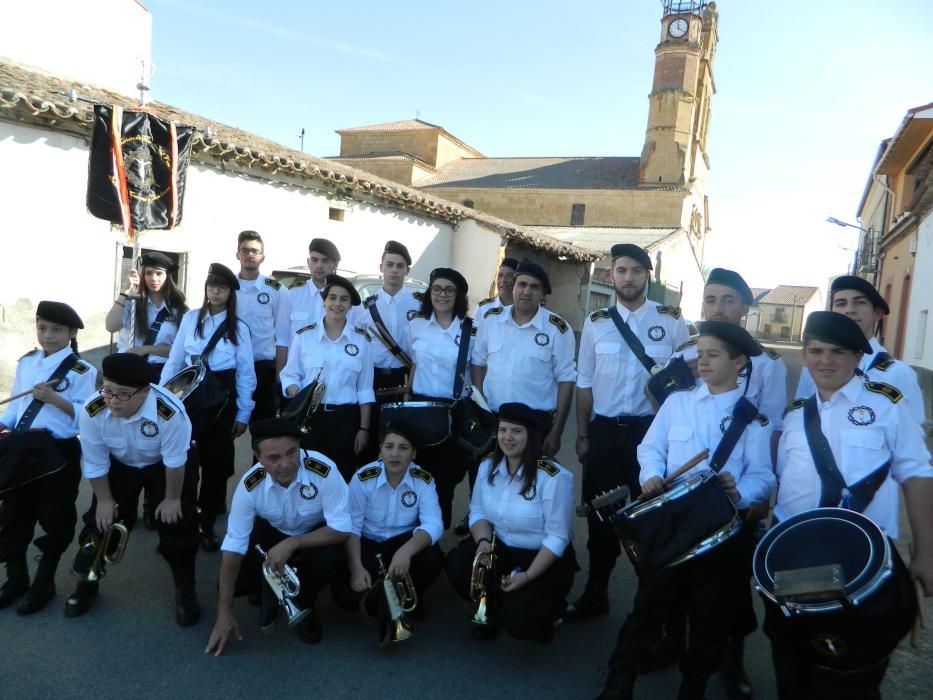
[{"x": 678, "y": 27}]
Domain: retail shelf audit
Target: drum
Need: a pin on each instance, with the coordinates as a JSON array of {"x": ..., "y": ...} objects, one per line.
[
  {"x": 875, "y": 605},
  {"x": 201, "y": 392},
  {"x": 474, "y": 424},
  {"x": 26, "y": 456},
  {"x": 689, "y": 519},
  {"x": 431, "y": 418}
]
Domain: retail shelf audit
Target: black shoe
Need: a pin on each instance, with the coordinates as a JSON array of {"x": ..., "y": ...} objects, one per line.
[
  {"x": 463, "y": 527},
  {"x": 187, "y": 608},
  {"x": 268, "y": 608},
  {"x": 209, "y": 541},
  {"x": 692, "y": 688},
  {"x": 736, "y": 682},
  {"x": 309, "y": 631},
  {"x": 42, "y": 589},
  {"x": 149, "y": 519},
  {"x": 17, "y": 581},
  {"x": 618, "y": 685},
  {"x": 482, "y": 633},
  {"x": 590, "y": 604},
  {"x": 80, "y": 601}
]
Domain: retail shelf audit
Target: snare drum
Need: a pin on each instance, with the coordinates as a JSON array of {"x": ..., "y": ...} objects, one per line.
[
  {"x": 876, "y": 607},
  {"x": 430, "y": 418},
  {"x": 202, "y": 393},
  {"x": 689, "y": 519}
]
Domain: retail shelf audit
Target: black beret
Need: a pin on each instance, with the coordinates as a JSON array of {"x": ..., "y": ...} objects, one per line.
[
  {"x": 509, "y": 262},
  {"x": 836, "y": 329},
  {"x": 733, "y": 280},
  {"x": 732, "y": 334},
  {"x": 325, "y": 247},
  {"x": 156, "y": 259},
  {"x": 57, "y": 312},
  {"x": 400, "y": 426},
  {"x": 860, "y": 285},
  {"x": 338, "y": 281},
  {"x": 126, "y": 369},
  {"x": 397, "y": 248},
  {"x": 521, "y": 414},
  {"x": 221, "y": 274},
  {"x": 536, "y": 271},
  {"x": 630, "y": 250},
  {"x": 273, "y": 428},
  {"x": 448, "y": 273}
]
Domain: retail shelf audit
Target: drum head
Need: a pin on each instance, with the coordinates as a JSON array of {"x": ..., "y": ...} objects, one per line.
[
  {"x": 820, "y": 537},
  {"x": 183, "y": 383}
]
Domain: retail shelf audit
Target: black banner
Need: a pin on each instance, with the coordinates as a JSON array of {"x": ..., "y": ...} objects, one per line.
[{"x": 137, "y": 167}]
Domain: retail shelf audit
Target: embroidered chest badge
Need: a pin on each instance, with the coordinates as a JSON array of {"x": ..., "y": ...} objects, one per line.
[
  {"x": 861, "y": 415},
  {"x": 62, "y": 384},
  {"x": 308, "y": 492},
  {"x": 351, "y": 349},
  {"x": 148, "y": 429},
  {"x": 724, "y": 424},
  {"x": 542, "y": 339},
  {"x": 656, "y": 333},
  {"x": 262, "y": 298},
  {"x": 409, "y": 499},
  {"x": 532, "y": 492}
]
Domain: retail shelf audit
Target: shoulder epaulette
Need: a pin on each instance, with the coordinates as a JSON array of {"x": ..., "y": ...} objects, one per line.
[
  {"x": 418, "y": 295},
  {"x": 884, "y": 365},
  {"x": 669, "y": 310},
  {"x": 682, "y": 346},
  {"x": 316, "y": 466},
  {"x": 254, "y": 479},
  {"x": 363, "y": 332},
  {"x": 795, "y": 404},
  {"x": 80, "y": 367},
  {"x": 489, "y": 300},
  {"x": 773, "y": 354},
  {"x": 493, "y": 311},
  {"x": 297, "y": 283},
  {"x": 415, "y": 314},
  {"x": 370, "y": 473},
  {"x": 421, "y": 474},
  {"x": 309, "y": 327},
  {"x": 885, "y": 390},
  {"x": 369, "y": 301},
  {"x": 274, "y": 283},
  {"x": 164, "y": 410},
  {"x": 96, "y": 406},
  {"x": 598, "y": 314},
  {"x": 31, "y": 352},
  {"x": 762, "y": 418},
  {"x": 548, "y": 467},
  {"x": 559, "y": 322}
]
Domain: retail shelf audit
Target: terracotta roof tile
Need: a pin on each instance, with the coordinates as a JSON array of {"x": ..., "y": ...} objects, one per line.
[
  {"x": 404, "y": 125},
  {"x": 578, "y": 173},
  {"x": 789, "y": 295}
]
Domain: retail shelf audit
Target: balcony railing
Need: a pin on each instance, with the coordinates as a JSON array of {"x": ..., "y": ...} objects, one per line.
[{"x": 682, "y": 7}]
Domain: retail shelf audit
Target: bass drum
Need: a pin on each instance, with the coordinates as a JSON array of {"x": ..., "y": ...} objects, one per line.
[
  {"x": 878, "y": 604},
  {"x": 431, "y": 419},
  {"x": 202, "y": 394}
]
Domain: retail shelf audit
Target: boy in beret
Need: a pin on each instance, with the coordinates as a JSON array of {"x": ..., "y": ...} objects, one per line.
[{"x": 505, "y": 279}]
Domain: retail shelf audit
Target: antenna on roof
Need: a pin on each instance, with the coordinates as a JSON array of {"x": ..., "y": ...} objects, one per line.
[
  {"x": 301, "y": 140},
  {"x": 143, "y": 85},
  {"x": 417, "y": 113}
]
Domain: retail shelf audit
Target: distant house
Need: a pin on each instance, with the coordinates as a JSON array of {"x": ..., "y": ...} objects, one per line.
[{"x": 783, "y": 311}]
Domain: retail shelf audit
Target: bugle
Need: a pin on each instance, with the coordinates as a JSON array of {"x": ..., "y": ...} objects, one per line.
[
  {"x": 286, "y": 586},
  {"x": 401, "y": 597},
  {"x": 105, "y": 550},
  {"x": 481, "y": 578}
]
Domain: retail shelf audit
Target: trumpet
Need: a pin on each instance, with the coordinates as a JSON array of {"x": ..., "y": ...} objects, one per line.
[
  {"x": 401, "y": 597},
  {"x": 305, "y": 404},
  {"x": 98, "y": 550},
  {"x": 480, "y": 581},
  {"x": 286, "y": 586}
]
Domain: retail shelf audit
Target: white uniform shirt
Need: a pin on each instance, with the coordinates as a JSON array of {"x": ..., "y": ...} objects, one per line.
[
  {"x": 259, "y": 303},
  {"x": 435, "y": 351},
  {"x": 525, "y": 363},
  {"x": 898, "y": 374},
  {"x": 304, "y": 305},
  {"x": 691, "y": 421},
  {"x": 225, "y": 355},
  {"x": 76, "y": 386},
  {"x": 865, "y": 429},
  {"x": 768, "y": 388},
  {"x": 318, "y": 494},
  {"x": 608, "y": 366},
  {"x": 541, "y": 518},
  {"x": 345, "y": 363},
  {"x": 395, "y": 311},
  {"x": 380, "y": 512},
  {"x": 159, "y": 430},
  {"x": 165, "y": 335}
]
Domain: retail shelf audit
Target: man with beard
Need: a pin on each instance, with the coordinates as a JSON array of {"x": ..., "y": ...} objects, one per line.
[
  {"x": 505, "y": 278},
  {"x": 524, "y": 353},
  {"x": 613, "y": 413}
]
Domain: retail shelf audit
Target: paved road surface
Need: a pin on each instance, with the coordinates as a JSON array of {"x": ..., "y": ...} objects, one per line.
[{"x": 129, "y": 646}]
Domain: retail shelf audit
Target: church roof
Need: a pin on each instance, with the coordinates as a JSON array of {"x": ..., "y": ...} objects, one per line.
[
  {"x": 600, "y": 239},
  {"x": 573, "y": 173},
  {"x": 404, "y": 125}
]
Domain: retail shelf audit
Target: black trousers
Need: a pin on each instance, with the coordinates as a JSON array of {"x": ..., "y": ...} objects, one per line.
[
  {"x": 50, "y": 502},
  {"x": 315, "y": 566},
  {"x": 383, "y": 378},
  {"x": 528, "y": 611},
  {"x": 332, "y": 434},
  {"x": 701, "y": 586},
  {"x": 178, "y": 542},
  {"x": 155, "y": 372},
  {"x": 215, "y": 453},
  {"x": 611, "y": 461},
  {"x": 265, "y": 395},
  {"x": 424, "y": 569},
  {"x": 744, "y": 621}
]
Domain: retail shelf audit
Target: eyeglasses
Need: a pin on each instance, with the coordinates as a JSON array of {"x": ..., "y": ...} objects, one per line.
[
  {"x": 250, "y": 251},
  {"x": 121, "y": 395},
  {"x": 443, "y": 291}
]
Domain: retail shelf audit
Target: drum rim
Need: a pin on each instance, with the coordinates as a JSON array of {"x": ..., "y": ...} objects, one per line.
[
  {"x": 679, "y": 488},
  {"x": 197, "y": 370},
  {"x": 707, "y": 544},
  {"x": 415, "y": 404}
]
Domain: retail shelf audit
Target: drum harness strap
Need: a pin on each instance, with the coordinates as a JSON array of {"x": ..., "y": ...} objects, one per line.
[
  {"x": 211, "y": 344},
  {"x": 466, "y": 330},
  {"x": 835, "y": 492},
  {"x": 743, "y": 414},
  {"x": 632, "y": 341},
  {"x": 377, "y": 319},
  {"x": 32, "y": 410},
  {"x": 163, "y": 314}
]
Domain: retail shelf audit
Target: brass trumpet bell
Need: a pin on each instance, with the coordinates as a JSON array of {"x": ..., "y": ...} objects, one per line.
[
  {"x": 480, "y": 579},
  {"x": 286, "y": 586}
]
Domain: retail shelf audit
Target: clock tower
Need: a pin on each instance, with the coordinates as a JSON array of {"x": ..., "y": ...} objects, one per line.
[{"x": 679, "y": 103}]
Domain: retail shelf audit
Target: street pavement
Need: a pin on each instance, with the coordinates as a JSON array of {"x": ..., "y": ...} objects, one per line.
[{"x": 129, "y": 646}]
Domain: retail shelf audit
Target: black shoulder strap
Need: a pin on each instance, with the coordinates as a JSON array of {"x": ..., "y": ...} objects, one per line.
[
  {"x": 834, "y": 491},
  {"x": 632, "y": 340},
  {"x": 32, "y": 410},
  {"x": 163, "y": 314},
  {"x": 212, "y": 343},
  {"x": 377, "y": 319},
  {"x": 466, "y": 327},
  {"x": 743, "y": 413}
]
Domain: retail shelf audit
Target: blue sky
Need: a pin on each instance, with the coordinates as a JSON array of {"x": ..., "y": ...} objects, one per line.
[{"x": 806, "y": 91}]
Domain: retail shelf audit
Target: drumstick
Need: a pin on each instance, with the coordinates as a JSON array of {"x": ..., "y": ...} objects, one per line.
[
  {"x": 20, "y": 395},
  {"x": 697, "y": 458}
]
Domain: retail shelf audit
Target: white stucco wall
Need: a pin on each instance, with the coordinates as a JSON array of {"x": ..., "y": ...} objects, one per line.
[
  {"x": 918, "y": 348},
  {"x": 101, "y": 42},
  {"x": 475, "y": 254},
  {"x": 679, "y": 266}
]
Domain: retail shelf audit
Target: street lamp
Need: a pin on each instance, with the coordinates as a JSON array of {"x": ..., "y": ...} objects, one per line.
[
  {"x": 867, "y": 239},
  {"x": 834, "y": 220}
]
